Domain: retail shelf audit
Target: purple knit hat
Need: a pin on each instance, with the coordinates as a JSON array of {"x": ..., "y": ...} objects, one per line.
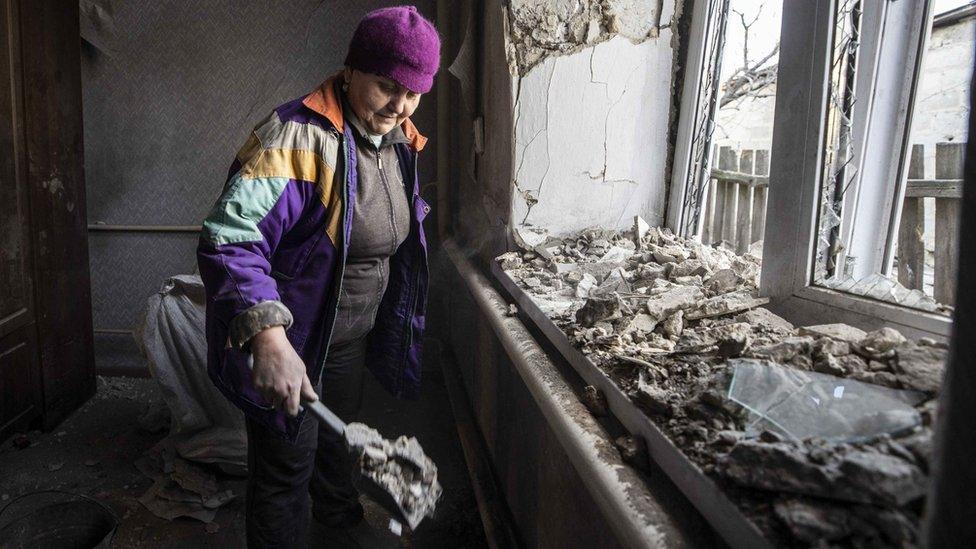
[{"x": 397, "y": 43}]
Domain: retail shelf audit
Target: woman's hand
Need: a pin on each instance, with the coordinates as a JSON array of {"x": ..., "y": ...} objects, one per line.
[{"x": 279, "y": 373}]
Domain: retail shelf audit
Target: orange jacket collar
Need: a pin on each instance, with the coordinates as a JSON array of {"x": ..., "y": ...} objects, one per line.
[{"x": 324, "y": 101}]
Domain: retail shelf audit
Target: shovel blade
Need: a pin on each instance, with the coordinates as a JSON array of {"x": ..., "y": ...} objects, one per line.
[
  {"x": 388, "y": 502},
  {"x": 398, "y": 475}
]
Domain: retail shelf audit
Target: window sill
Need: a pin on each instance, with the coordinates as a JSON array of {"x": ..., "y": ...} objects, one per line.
[
  {"x": 816, "y": 305},
  {"x": 638, "y": 517},
  {"x": 713, "y": 504}
]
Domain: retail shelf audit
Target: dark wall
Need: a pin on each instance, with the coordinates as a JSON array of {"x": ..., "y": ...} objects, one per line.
[{"x": 171, "y": 91}]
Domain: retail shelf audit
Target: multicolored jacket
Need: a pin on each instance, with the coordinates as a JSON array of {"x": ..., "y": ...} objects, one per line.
[{"x": 273, "y": 249}]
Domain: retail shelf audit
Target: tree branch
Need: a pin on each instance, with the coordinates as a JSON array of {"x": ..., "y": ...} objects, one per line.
[{"x": 749, "y": 79}]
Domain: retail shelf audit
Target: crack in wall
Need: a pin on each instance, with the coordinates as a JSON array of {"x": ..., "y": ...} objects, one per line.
[
  {"x": 557, "y": 29},
  {"x": 606, "y": 125},
  {"x": 552, "y": 74},
  {"x": 606, "y": 121},
  {"x": 526, "y": 193}
]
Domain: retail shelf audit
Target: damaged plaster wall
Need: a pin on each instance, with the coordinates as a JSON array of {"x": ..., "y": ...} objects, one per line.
[
  {"x": 591, "y": 126},
  {"x": 541, "y": 28}
]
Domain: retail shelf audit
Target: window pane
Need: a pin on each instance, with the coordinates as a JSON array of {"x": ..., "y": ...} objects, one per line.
[
  {"x": 924, "y": 250},
  {"x": 734, "y": 208},
  {"x": 889, "y": 193}
]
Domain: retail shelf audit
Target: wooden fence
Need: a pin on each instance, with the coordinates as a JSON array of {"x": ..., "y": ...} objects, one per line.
[
  {"x": 946, "y": 189},
  {"x": 735, "y": 208},
  {"x": 735, "y": 211}
]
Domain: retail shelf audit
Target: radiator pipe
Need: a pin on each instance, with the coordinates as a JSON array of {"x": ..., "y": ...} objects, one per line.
[
  {"x": 102, "y": 227},
  {"x": 612, "y": 484}
]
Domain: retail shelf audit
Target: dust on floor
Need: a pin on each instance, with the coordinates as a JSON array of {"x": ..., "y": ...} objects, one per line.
[{"x": 94, "y": 451}]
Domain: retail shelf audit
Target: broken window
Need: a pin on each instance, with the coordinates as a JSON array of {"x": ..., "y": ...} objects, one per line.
[
  {"x": 699, "y": 103},
  {"x": 721, "y": 173},
  {"x": 846, "y": 229},
  {"x": 890, "y": 183},
  {"x": 670, "y": 326}
]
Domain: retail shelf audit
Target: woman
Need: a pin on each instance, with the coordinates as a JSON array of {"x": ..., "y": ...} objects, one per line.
[{"x": 314, "y": 262}]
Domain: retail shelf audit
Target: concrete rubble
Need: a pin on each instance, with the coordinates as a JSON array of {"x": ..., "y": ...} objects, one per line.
[
  {"x": 663, "y": 317},
  {"x": 539, "y": 29},
  {"x": 595, "y": 401},
  {"x": 400, "y": 468}
]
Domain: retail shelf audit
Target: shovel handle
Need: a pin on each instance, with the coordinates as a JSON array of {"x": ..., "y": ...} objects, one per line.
[
  {"x": 325, "y": 415},
  {"x": 316, "y": 408}
]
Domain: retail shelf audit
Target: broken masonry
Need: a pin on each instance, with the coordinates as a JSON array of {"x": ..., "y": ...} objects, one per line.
[{"x": 674, "y": 323}]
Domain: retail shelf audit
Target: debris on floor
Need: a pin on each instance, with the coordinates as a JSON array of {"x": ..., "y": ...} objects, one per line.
[
  {"x": 674, "y": 323},
  {"x": 181, "y": 488},
  {"x": 101, "y": 442}
]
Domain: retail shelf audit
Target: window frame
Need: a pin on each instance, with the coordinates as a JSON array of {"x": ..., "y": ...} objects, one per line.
[
  {"x": 702, "y": 43},
  {"x": 893, "y": 36},
  {"x": 796, "y": 166}
]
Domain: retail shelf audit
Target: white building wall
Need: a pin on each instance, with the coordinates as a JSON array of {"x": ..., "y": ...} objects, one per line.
[
  {"x": 941, "y": 108},
  {"x": 747, "y": 123},
  {"x": 942, "y": 100}
]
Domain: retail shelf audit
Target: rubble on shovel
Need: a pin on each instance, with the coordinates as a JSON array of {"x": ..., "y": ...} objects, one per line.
[
  {"x": 400, "y": 467},
  {"x": 664, "y": 317}
]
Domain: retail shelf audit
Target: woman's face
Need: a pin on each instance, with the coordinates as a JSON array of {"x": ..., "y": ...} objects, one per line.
[{"x": 380, "y": 103}]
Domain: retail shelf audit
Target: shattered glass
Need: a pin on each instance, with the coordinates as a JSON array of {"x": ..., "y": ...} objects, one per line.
[
  {"x": 829, "y": 222},
  {"x": 801, "y": 404},
  {"x": 839, "y": 169},
  {"x": 884, "y": 288},
  {"x": 704, "y": 124},
  {"x": 895, "y": 265}
]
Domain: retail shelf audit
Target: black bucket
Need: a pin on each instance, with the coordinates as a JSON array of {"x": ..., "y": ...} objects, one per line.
[{"x": 83, "y": 523}]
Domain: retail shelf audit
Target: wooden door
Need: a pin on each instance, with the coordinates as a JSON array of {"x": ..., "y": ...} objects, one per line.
[
  {"x": 20, "y": 395},
  {"x": 50, "y": 52},
  {"x": 46, "y": 349}
]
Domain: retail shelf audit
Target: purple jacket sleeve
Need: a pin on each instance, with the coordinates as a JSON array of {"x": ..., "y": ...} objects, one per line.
[{"x": 258, "y": 206}]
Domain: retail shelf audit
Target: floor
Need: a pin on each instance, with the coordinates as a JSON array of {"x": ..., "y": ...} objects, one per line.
[{"x": 92, "y": 453}]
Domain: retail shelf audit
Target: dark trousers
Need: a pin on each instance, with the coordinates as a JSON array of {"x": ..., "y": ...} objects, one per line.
[{"x": 282, "y": 474}]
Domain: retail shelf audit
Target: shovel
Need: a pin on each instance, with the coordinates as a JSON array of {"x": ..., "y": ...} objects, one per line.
[{"x": 397, "y": 475}]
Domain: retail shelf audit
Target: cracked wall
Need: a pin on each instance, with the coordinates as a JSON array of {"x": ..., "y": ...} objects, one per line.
[
  {"x": 543, "y": 28},
  {"x": 591, "y": 127}
]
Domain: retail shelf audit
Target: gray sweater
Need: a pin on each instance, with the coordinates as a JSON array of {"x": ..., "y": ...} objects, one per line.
[{"x": 380, "y": 223}]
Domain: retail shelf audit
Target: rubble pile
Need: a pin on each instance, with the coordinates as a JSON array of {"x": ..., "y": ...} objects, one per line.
[{"x": 672, "y": 322}]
